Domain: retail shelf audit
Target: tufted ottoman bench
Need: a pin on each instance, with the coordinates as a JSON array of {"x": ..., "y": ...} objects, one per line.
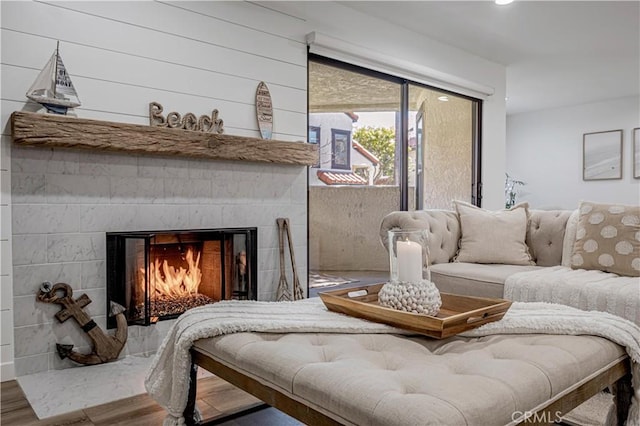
[{"x": 385, "y": 379}]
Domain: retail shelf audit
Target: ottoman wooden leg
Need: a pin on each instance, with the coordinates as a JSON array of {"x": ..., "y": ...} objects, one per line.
[{"x": 622, "y": 392}]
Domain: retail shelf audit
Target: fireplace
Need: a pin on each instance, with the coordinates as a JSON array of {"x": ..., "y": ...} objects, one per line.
[{"x": 159, "y": 275}]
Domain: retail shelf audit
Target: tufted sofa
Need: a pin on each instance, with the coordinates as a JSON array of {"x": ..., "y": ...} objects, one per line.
[
  {"x": 550, "y": 280},
  {"x": 544, "y": 238}
]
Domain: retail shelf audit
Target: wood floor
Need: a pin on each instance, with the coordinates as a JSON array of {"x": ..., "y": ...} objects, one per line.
[{"x": 215, "y": 398}]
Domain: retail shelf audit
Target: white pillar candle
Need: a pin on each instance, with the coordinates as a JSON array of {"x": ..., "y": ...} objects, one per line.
[{"x": 409, "y": 261}]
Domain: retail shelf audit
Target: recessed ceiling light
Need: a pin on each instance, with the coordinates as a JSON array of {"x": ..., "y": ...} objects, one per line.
[
  {"x": 443, "y": 98},
  {"x": 503, "y": 2}
]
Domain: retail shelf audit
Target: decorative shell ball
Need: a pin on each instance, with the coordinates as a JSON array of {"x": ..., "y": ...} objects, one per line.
[{"x": 419, "y": 298}]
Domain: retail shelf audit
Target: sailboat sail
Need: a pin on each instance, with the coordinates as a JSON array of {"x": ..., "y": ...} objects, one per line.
[
  {"x": 53, "y": 87},
  {"x": 64, "y": 85}
]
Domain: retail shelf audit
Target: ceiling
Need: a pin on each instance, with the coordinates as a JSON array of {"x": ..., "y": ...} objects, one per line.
[
  {"x": 556, "y": 53},
  {"x": 334, "y": 89}
]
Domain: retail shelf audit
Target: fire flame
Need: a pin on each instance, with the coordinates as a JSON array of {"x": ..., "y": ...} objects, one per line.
[{"x": 175, "y": 282}]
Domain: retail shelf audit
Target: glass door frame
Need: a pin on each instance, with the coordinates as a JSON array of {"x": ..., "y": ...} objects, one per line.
[
  {"x": 403, "y": 161},
  {"x": 419, "y": 160}
]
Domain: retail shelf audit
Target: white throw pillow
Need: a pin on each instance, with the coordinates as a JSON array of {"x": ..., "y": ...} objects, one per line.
[
  {"x": 493, "y": 236},
  {"x": 569, "y": 238}
]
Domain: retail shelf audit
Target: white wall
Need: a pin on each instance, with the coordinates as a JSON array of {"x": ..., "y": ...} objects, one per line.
[
  {"x": 544, "y": 149},
  {"x": 196, "y": 56}
]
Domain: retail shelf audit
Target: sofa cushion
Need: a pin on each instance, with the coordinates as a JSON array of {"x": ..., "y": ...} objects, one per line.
[
  {"x": 569, "y": 238},
  {"x": 442, "y": 226},
  {"x": 608, "y": 239},
  {"x": 474, "y": 279},
  {"x": 546, "y": 235},
  {"x": 493, "y": 236}
]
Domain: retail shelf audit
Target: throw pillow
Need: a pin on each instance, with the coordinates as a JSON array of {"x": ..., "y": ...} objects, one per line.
[
  {"x": 608, "y": 239},
  {"x": 569, "y": 238},
  {"x": 493, "y": 236}
]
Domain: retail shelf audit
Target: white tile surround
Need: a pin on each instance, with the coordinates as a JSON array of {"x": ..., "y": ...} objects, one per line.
[
  {"x": 95, "y": 385},
  {"x": 7, "y": 369},
  {"x": 63, "y": 202}
]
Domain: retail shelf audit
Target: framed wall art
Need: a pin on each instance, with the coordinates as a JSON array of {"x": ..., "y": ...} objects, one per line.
[
  {"x": 602, "y": 155},
  {"x": 636, "y": 153}
]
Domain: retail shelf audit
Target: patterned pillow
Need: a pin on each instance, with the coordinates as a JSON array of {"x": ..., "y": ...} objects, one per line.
[
  {"x": 493, "y": 236},
  {"x": 608, "y": 239}
]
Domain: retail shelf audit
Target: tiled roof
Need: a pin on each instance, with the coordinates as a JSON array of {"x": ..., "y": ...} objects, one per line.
[{"x": 331, "y": 177}]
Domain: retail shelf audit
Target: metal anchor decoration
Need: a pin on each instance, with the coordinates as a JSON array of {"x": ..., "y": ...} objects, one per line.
[{"x": 105, "y": 347}]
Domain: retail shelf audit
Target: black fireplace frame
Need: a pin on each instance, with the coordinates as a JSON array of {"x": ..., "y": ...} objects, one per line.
[{"x": 116, "y": 261}]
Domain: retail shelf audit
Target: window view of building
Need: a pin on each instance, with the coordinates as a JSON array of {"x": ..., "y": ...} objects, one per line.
[{"x": 357, "y": 149}]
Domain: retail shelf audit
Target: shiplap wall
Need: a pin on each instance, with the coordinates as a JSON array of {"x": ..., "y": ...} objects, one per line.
[
  {"x": 123, "y": 54},
  {"x": 190, "y": 57}
]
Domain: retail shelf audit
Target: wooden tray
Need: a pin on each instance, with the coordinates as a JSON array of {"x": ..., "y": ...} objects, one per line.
[{"x": 457, "y": 314}]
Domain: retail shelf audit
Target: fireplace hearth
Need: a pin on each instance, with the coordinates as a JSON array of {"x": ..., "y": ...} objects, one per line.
[{"x": 157, "y": 275}]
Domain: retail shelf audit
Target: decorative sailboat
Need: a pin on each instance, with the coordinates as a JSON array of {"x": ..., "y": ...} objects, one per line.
[{"x": 53, "y": 87}]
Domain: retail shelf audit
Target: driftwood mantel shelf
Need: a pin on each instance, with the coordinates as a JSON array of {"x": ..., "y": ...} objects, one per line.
[{"x": 47, "y": 130}]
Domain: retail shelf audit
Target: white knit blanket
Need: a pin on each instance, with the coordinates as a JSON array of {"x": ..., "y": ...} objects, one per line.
[
  {"x": 583, "y": 289},
  {"x": 168, "y": 378}
]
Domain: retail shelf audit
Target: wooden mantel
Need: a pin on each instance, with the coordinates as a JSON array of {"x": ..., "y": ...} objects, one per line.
[{"x": 49, "y": 130}]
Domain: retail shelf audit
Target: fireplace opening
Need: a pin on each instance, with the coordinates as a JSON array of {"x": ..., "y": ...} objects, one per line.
[{"x": 159, "y": 275}]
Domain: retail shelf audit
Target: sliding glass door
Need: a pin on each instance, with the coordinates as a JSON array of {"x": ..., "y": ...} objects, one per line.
[{"x": 384, "y": 144}]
